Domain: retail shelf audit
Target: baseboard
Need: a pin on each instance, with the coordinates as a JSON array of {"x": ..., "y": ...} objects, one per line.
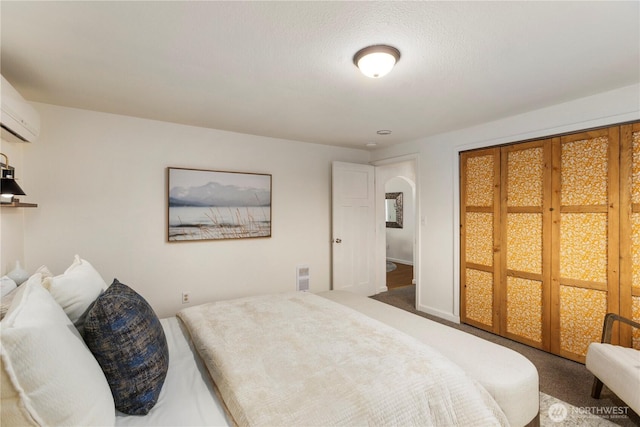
[{"x": 439, "y": 313}]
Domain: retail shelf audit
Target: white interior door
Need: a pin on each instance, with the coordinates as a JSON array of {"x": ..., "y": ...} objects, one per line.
[{"x": 353, "y": 228}]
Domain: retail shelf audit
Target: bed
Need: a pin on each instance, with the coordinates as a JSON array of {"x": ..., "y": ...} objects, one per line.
[
  {"x": 49, "y": 376},
  {"x": 300, "y": 359}
]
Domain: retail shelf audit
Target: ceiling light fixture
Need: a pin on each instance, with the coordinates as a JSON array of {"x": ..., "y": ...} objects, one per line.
[
  {"x": 376, "y": 61},
  {"x": 384, "y": 132}
]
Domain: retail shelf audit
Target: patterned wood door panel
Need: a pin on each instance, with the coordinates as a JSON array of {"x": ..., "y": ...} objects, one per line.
[
  {"x": 550, "y": 238},
  {"x": 630, "y": 231},
  {"x": 525, "y": 277},
  {"x": 480, "y": 238},
  {"x": 585, "y": 235}
]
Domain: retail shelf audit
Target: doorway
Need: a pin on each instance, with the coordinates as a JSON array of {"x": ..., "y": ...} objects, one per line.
[
  {"x": 396, "y": 244},
  {"x": 399, "y": 232}
]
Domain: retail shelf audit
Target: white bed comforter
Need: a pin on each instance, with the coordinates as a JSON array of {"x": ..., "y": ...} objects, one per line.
[{"x": 299, "y": 359}]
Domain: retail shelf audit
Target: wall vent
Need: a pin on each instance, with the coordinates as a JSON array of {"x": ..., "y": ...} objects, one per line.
[{"x": 302, "y": 278}]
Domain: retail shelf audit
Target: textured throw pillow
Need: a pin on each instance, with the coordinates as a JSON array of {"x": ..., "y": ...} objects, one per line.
[
  {"x": 127, "y": 339},
  {"x": 48, "y": 376},
  {"x": 76, "y": 289}
]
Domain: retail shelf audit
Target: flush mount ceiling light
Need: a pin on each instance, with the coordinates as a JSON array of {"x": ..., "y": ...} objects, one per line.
[{"x": 376, "y": 61}]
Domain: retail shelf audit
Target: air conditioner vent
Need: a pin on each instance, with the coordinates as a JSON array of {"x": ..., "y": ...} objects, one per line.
[{"x": 20, "y": 122}]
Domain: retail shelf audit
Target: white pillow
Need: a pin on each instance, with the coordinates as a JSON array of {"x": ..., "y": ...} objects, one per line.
[
  {"x": 76, "y": 289},
  {"x": 48, "y": 376},
  {"x": 6, "y": 285},
  {"x": 6, "y": 301},
  {"x": 44, "y": 272},
  {"x": 7, "y": 291},
  {"x": 7, "y": 298}
]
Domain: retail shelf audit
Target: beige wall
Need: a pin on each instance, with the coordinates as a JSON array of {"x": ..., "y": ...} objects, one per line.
[{"x": 100, "y": 182}]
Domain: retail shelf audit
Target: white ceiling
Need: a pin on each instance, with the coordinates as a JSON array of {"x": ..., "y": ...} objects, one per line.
[{"x": 285, "y": 70}]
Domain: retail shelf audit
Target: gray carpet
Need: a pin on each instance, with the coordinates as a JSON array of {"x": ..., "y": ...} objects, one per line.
[{"x": 561, "y": 378}]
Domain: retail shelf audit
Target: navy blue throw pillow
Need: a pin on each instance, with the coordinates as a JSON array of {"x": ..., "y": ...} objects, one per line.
[{"x": 126, "y": 337}]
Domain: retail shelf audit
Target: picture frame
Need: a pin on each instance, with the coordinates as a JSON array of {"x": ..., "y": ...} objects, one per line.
[
  {"x": 217, "y": 205},
  {"x": 393, "y": 210}
]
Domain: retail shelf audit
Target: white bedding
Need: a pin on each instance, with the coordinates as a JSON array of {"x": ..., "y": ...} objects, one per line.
[
  {"x": 304, "y": 360},
  {"x": 508, "y": 376},
  {"x": 187, "y": 397}
]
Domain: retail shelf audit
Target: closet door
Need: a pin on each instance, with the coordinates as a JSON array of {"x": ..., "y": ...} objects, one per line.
[
  {"x": 630, "y": 231},
  {"x": 526, "y": 230},
  {"x": 480, "y": 238},
  {"x": 585, "y": 239}
]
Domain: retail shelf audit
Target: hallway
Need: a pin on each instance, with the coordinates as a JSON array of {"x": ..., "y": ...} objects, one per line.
[{"x": 401, "y": 276}]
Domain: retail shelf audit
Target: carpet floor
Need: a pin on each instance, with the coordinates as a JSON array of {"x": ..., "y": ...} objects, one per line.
[{"x": 561, "y": 378}]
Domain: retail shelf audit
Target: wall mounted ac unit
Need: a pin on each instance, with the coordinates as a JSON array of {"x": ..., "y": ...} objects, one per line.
[{"x": 19, "y": 120}]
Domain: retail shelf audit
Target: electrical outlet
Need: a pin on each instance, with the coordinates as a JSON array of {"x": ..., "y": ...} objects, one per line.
[{"x": 186, "y": 296}]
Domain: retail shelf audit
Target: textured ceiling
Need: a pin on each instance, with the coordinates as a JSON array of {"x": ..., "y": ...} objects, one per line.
[{"x": 284, "y": 69}]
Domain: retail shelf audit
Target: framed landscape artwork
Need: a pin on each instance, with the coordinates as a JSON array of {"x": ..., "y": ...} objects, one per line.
[{"x": 216, "y": 205}]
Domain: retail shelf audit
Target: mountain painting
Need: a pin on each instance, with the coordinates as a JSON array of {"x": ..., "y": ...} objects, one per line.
[{"x": 216, "y": 205}]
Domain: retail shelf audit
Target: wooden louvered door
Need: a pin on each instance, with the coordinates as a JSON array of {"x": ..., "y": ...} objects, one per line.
[
  {"x": 526, "y": 243},
  {"x": 630, "y": 231},
  {"x": 480, "y": 238},
  {"x": 585, "y": 238}
]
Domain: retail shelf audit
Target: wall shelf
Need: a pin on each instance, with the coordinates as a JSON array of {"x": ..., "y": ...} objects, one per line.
[{"x": 18, "y": 204}]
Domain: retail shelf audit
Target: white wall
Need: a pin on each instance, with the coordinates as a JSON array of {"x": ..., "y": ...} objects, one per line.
[
  {"x": 100, "y": 182},
  {"x": 400, "y": 240},
  {"x": 438, "y": 281}
]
